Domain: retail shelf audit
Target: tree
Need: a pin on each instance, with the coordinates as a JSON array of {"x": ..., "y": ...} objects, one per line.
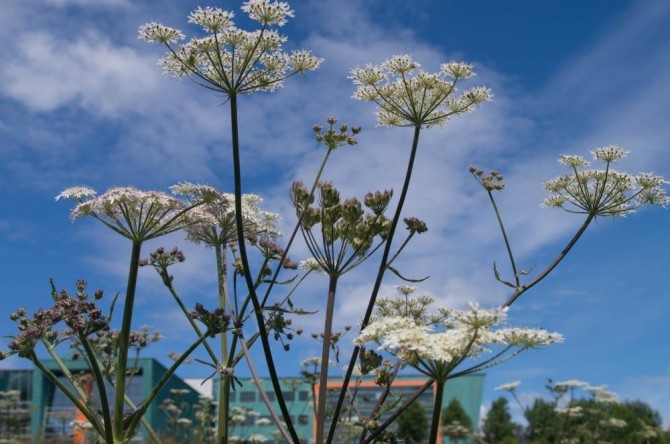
[
  {"x": 498, "y": 426},
  {"x": 456, "y": 423},
  {"x": 413, "y": 423}
]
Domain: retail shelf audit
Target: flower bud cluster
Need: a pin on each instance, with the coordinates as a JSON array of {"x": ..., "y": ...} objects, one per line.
[
  {"x": 82, "y": 316},
  {"x": 415, "y": 225},
  {"x": 343, "y": 223},
  {"x": 333, "y": 138},
  {"x": 408, "y": 96},
  {"x": 491, "y": 181},
  {"x": 280, "y": 326},
  {"x": 216, "y": 321},
  {"x": 603, "y": 192}
]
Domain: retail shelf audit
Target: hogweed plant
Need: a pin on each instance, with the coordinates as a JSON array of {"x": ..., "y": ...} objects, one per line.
[{"x": 256, "y": 304}]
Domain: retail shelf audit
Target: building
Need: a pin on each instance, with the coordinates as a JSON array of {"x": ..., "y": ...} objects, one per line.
[
  {"x": 33, "y": 409},
  {"x": 254, "y": 419}
]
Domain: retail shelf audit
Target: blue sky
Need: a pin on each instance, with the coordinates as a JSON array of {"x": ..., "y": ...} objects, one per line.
[{"x": 83, "y": 102}]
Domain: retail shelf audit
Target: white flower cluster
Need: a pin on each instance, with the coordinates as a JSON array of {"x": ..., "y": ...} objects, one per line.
[
  {"x": 135, "y": 214},
  {"x": 214, "y": 220},
  {"x": 464, "y": 334},
  {"x": 510, "y": 386},
  {"x": 229, "y": 59},
  {"x": 408, "y": 96},
  {"x": 603, "y": 192}
]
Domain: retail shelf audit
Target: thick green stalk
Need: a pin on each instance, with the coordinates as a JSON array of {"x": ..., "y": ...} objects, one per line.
[
  {"x": 378, "y": 282},
  {"x": 437, "y": 411},
  {"x": 102, "y": 390},
  {"x": 325, "y": 357},
  {"x": 224, "y": 385},
  {"x": 258, "y": 311},
  {"x": 124, "y": 340}
]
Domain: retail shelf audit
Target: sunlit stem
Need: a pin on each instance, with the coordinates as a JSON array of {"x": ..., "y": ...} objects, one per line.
[
  {"x": 124, "y": 340},
  {"x": 504, "y": 235},
  {"x": 378, "y": 282},
  {"x": 325, "y": 357},
  {"x": 437, "y": 410},
  {"x": 102, "y": 390},
  {"x": 553, "y": 265}
]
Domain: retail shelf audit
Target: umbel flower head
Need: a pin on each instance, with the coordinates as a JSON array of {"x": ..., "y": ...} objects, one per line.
[
  {"x": 135, "y": 214},
  {"x": 603, "y": 192},
  {"x": 214, "y": 219},
  {"x": 409, "y": 96},
  {"x": 229, "y": 59},
  {"x": 436, "y": 349}
]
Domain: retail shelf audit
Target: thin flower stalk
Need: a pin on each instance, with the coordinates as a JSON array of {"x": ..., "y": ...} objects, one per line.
[{"x": 593, "y": 192}]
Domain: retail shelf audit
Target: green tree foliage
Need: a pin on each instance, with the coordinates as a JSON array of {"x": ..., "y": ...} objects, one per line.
[
  {"x": 498, "y": 426},
  {"x": 456, "y": 423},
  {"x": 589, "y": 421},
  {"x": 413, "y": 424}
]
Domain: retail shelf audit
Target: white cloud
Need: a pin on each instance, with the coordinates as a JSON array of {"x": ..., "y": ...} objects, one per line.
[
  {"x": 87, "y": 3},
  {"x": 91, "y": 72}
]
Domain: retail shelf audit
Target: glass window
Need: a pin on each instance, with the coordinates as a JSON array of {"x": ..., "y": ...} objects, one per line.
[{"x": 247, "y": 396}]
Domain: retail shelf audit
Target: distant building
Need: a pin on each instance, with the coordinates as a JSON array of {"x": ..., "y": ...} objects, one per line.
[
  {"x": 468, "y": 390},
  {"x": 31, "y": 407}
]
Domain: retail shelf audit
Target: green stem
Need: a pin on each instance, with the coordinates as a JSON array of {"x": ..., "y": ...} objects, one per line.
[
  {"x": 378, "y": 282},
  {"x": 325, "y": 357},
  {"x": 551, "y": 266},
  {"x": 389, "y": 420},
  {"x": 437, "y": 410},
  {"x": 102, "y": 390},
  {"x": 224, "y": 384},
  {"x": 124, "y": 340},
  {"x": 247, "y": 272},
  {"x": 504, "y": 235},
  {"x": 296, "y": 228},
  {"x": 79, "y": 403}
]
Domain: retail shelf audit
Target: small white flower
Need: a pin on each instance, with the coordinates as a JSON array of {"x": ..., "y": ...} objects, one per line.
[
  {"x": 77, "y": 193},
  {"x": 510, "y": 386},
  {"x": 270, "y": 13},
  {"x": 571, "y": 383},
  {"x": 157, "y": 33},
  {"x": 609, "y": 153},
  {"x": 311, "y": 264}
]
